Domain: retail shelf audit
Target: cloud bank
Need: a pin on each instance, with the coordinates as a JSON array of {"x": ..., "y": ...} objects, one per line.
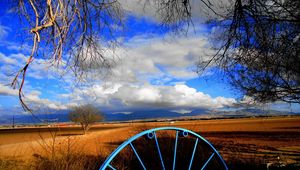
[{"x": 148, "y": 72}]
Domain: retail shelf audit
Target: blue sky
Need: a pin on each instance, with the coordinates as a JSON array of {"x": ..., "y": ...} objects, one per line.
[{"x": 153, "y": 69}]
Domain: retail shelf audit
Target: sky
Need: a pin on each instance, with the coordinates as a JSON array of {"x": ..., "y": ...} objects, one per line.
[{"x": 153, "y": 68}]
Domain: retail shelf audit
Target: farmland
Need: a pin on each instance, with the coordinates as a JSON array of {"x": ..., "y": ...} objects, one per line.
[{"x": 242, "y": 141}]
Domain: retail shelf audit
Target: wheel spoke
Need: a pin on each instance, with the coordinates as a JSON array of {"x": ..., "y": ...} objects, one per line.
[
  {"x": 175, "y": 150},
  {"x": 111, "y": 167},
  {"x": 137, "y": 155},
  {"x": 158, "y": 149},
  {"x": 207, "y": 161},
  {"x": 194, "y": 150}
]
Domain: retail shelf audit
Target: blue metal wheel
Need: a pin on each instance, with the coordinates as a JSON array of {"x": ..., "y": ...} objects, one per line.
[{"x": 152, "y": 149}]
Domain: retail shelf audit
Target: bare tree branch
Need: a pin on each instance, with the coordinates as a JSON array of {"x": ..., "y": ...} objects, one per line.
[{"x": 75, "y": 31}]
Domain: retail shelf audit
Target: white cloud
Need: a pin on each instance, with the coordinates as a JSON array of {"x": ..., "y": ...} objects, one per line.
[
  {"x": 183, "y": 73},
  {"x": 182, "y": 111},
  {"x": 17, "y": 47},
  {"x": 125, "y": 113},
  {"x": 33, "y": 98},
  {"x": 144, "y": 60},
  {"x": 138, "y": 64},
  {"x": 3, "y": 31},
  {"x": 146, "y": 95},
  {"x": 139, "y": 8},
  {"x": 200, "y": 11},
  {"x": 133, "y": 95},
  {"x": 7, "y": 60},
  {"x": 38, "y": 69},
  {"x": 7, "y": 91},
  {"x": 149, "y": 58}
]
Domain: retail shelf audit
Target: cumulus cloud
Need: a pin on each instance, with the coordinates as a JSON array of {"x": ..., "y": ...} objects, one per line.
[
  {"x": 200, "y": 11},
  {"x": 143, "y": 75},
  {"x": 3, "y": 31},
  {"x": 33, "y": 98},
  {"x": 182, "y": 111},
  {"x": 7, "y": 91},
  {"x": 7, "y": 60},
  {"x": 144, "y": 58},
  {"x": 152, "y": 58},
  {"x": 146, "y": 96},
  {"x": 39, "y": 68},
  {"x": 140, "y": 8}
]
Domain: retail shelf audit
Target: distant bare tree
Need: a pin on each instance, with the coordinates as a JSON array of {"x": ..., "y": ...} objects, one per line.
[
  {"x": 79, "y": 30},
  {"x": 85, "y": 115},
  {"x": 258, "y": 44}
]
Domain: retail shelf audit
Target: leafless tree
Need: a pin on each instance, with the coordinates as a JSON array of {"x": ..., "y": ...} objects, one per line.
[
  {"x": 175, "y": 15},
  {"x": 257, "y": 44},
  {"x": 85, "y": 115},
  {"x": 75, "y": 33}
]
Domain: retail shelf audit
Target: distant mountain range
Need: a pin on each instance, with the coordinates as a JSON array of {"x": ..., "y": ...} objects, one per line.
[{"x": 62, "y": 115}]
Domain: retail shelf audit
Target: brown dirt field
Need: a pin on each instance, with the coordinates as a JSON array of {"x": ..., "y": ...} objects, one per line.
[{"x": 265, "y": 139}]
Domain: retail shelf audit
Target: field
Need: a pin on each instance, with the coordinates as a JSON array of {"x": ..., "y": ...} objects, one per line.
[{"x": 252, "y": 142}]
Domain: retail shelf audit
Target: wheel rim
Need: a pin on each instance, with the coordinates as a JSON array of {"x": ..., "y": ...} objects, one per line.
[{"x": 151, "y": 134}]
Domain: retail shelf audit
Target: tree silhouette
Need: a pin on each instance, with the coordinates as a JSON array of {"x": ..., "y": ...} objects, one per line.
[
  {"x": 257, "y": 44},
  {"x": 78, "y": 30}
]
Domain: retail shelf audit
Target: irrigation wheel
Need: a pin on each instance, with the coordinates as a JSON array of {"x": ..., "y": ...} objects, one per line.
[{"x": 187, "y": 151}]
